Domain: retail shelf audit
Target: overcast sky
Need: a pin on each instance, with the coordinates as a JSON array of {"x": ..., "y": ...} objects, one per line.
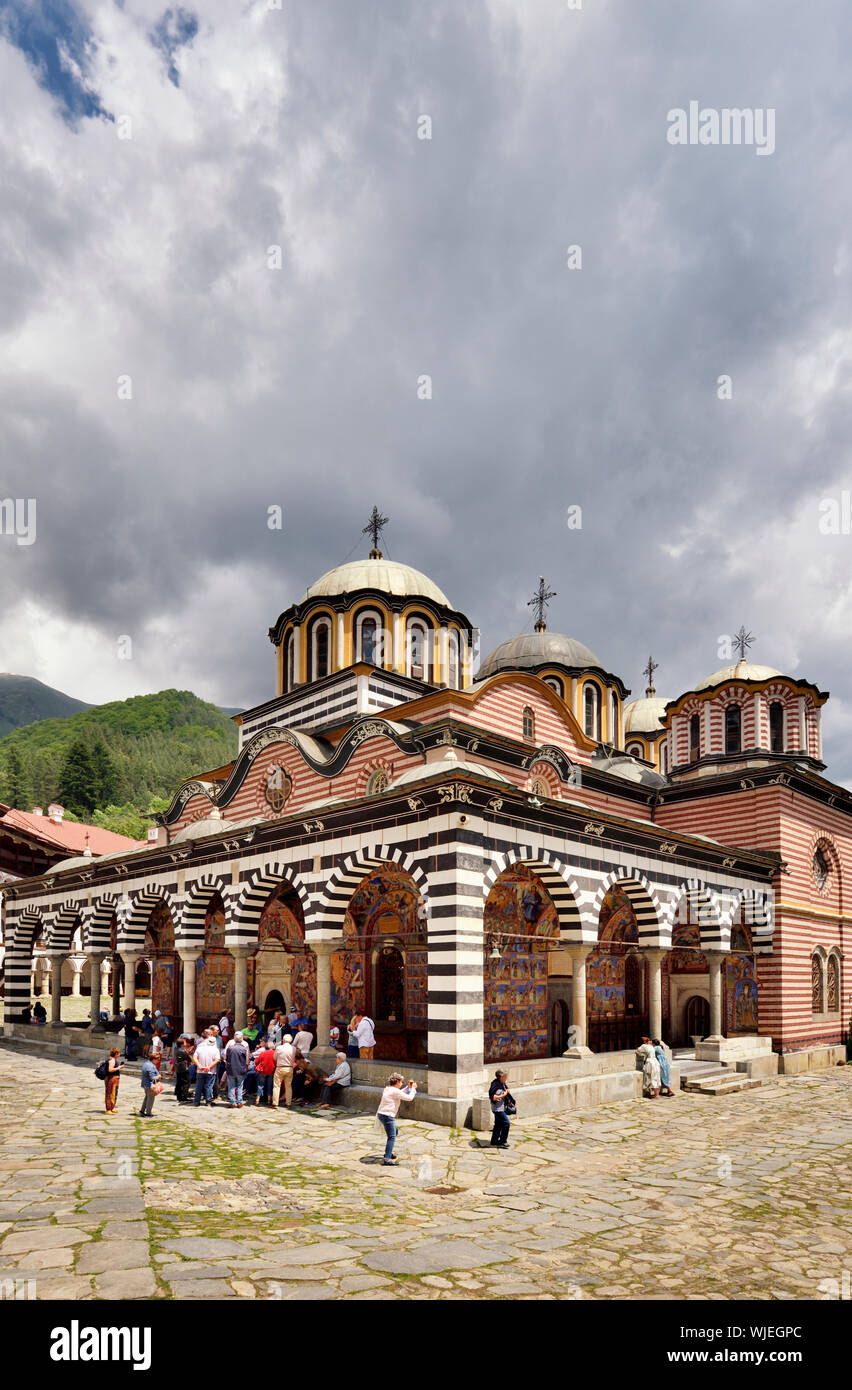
[{"x": 150, "y": 159}]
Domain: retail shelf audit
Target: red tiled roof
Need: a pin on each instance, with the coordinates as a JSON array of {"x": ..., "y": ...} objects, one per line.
[{"x": 68, "y": 834}]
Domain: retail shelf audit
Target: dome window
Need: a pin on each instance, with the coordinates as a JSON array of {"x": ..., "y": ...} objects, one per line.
[
  {"x": 592, "y": 711},
  {"x": 529, "y": 724},
  {"x": 733, "y": 729},
  {"x": 695, "y": 737},
  {"x": 555, "y": 684},
  {"x": 369, "y": 639},
  {"x": 613, "y": 717},
  {"x": 635, "y": 750},
  {"x": 776, "y": 727},
  {"x": 418, "y": 648},
  {"x": 289, "y": 662},
  {"x": 320, "y": 649},
  {"x": 453, "y": 660}
]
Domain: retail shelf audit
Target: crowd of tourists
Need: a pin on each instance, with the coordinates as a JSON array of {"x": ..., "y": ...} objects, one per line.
[{"x": 261, "y": 1064}]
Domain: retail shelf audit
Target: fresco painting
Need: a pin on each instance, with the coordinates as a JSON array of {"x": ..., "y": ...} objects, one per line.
[
  {"x": 605, "y": 966},
  {"x": 740, "y": 995},
  {"x": 165, "y": 967},
  {"x": 518, "y": 909}
]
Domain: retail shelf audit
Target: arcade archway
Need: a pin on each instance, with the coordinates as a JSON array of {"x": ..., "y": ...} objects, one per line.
[{"x": 521, "y": 926}]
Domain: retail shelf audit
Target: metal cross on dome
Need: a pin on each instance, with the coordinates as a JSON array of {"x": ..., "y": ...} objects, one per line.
[
  {"x": 374, "y": 528},
  {"x": 742, "y": 641},
  {"x": 539, "y": 601},
  {"x": 649, "y": 671}
]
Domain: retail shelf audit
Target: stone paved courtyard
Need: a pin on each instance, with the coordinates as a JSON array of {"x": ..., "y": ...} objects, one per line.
[{"x": 749, "y": 1196}]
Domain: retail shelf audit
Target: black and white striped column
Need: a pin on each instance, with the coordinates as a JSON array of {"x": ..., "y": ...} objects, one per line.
[{"x": 455, "y": 960}]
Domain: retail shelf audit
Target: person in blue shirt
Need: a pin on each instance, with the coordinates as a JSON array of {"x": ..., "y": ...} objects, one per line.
[{"x": 150, "y": 1079}]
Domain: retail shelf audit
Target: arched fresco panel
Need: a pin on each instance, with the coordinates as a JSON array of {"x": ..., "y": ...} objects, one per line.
[
  {"x": 616, "y": 1004},
  {"x": 520, "y": 915}
]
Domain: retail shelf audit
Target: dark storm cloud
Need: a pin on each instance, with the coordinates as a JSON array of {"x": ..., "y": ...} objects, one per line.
[{"x": 403, "y": 257}]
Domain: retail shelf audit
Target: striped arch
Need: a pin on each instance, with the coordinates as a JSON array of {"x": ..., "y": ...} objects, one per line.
[
  {"x": 131, "y": 932},
  {"x": 190, "y": 930},
  {"x": 21, "y": 935},
  {"x": 335, "y": 898},
  {"x": 59, "y": 933},
  {"x": 248, "y": 908},
  {"x": 651, "y": 917},
  {"x": 564, "y": 891},
  {"x": 96, "y": 923},
  {"x": 758, "y": 915},
  {"x": 704, "y": 908}
]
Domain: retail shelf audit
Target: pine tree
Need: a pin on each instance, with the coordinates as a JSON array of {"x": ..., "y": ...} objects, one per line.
[
  {"x": 106, "y": 776},
  {"x": 78, "y": 780},
  {"x": 16, "y": 789}
]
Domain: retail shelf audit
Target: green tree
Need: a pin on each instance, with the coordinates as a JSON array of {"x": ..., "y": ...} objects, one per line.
[
  {"x": 78, "y": 780},
  {"x": 106, "y": 775},
  {"x": 16, "y": 787}
]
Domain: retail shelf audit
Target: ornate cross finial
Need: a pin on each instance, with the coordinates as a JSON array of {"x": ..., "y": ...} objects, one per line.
[
  {"x": 649, "y": 672},
  {"x": 374, "y": 528},
  {"x": 743, "y": 640},
  {"x": 539, "y": 601}
]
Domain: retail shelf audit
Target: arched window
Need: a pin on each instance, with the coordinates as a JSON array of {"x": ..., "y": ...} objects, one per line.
[
  {"x": 694, "y": 737},
  {"x": 592, "y": 710},
  {"x": 320, "y": 650},
  {"x": 417, "y": 645},
  {"x": 733, "y": 729},
  {"x": 529, "y": 724},
  {"x": 832, "y": 1002},
  {"x": 539, "y": 787},
  {"x": 776, "y": 727},
  {"x": 613, "y": 717},
  {"x": 377, "y": 781},
  {"x": 368, "y": 640},
  {"x": 555, "y": 684},
  {"x": 664, "y": 757},
  {"x": 635, "y": 750},
  {"x": 821, "y": 868},
  {"x": 453, "y": 659},
  {"x": 817, "y": 989},
  {"x": 289, "y": 662}
]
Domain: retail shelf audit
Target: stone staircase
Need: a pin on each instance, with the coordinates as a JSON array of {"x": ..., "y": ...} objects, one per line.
[{"x": 715, "y": 1078}]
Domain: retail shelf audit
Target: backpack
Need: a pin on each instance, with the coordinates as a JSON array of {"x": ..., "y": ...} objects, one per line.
[{"x": 102, "y": 1070}]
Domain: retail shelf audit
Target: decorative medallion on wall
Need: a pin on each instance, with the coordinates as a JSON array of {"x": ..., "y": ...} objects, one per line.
[{"x": 277, "y": 787}]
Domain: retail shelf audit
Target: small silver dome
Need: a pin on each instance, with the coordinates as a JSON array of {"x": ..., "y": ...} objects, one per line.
[{"x": 533, "y": 649}]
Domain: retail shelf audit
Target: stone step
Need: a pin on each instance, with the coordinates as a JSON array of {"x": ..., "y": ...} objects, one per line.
[
  {"x": 725, "y": 1087},
  {"x": 712, "y": 1076}
]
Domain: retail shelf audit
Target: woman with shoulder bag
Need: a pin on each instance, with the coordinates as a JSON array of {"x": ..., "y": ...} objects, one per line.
[{"x": 502, "y": 1106}]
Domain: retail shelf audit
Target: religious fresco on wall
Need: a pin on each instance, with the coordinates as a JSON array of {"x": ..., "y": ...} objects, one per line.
[
  {"x": 740, "y": 995},
  {"x": 279, "y": 920},
  {"x": 385, "y": 903},
  {"x": 518, "y": 909},
  {"x": 686, "y": 957},
  {"x": 347, "y": 985},
  {"x": 606, "y": 991},
  {"x": 415, "y": 989},
  {"x": 214, "y": 970},
  {"x": 160, "y": 947}
]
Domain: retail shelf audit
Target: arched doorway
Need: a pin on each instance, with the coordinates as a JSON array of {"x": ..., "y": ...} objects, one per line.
[
  {"x": 282, "y": 966},
  {"x": 159, "y": 948},
  {"x": 697, "y": 1017},
  {"x": 383, "y": 970},
  {"x": 685, "y": 976},
  {"x": 214, "y": 971},
  {"x": 616, "y": 1002}
]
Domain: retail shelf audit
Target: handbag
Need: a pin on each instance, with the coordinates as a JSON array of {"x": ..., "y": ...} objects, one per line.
[
  {"x": 157, "y": 1087},
  {"x": 510, "y": 1106}
]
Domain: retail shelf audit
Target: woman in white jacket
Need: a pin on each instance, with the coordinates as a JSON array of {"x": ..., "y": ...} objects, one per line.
[{"x": 392, "y": 1096}]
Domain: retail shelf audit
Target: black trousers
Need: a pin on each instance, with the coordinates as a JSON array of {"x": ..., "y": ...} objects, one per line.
[{"x": 182, "y": 1085}]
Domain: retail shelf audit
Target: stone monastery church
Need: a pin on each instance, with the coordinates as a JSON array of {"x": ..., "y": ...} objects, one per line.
[{"x": 506, "y": 863}]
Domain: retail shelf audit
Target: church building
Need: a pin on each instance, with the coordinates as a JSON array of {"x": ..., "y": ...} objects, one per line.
[{"x": 500, "y": 862}]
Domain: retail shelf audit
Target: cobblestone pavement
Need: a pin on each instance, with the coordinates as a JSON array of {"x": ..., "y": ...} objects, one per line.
[{"x": 748, "y": 1196}]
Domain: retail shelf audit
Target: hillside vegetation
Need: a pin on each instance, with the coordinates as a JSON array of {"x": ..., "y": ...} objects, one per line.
[
  {"x": 115, "y": 762},
  {"x": 23, "y": 700}
]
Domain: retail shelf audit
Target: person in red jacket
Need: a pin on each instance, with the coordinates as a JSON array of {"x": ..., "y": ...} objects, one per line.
[{"x": 264, "y": 1066}]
